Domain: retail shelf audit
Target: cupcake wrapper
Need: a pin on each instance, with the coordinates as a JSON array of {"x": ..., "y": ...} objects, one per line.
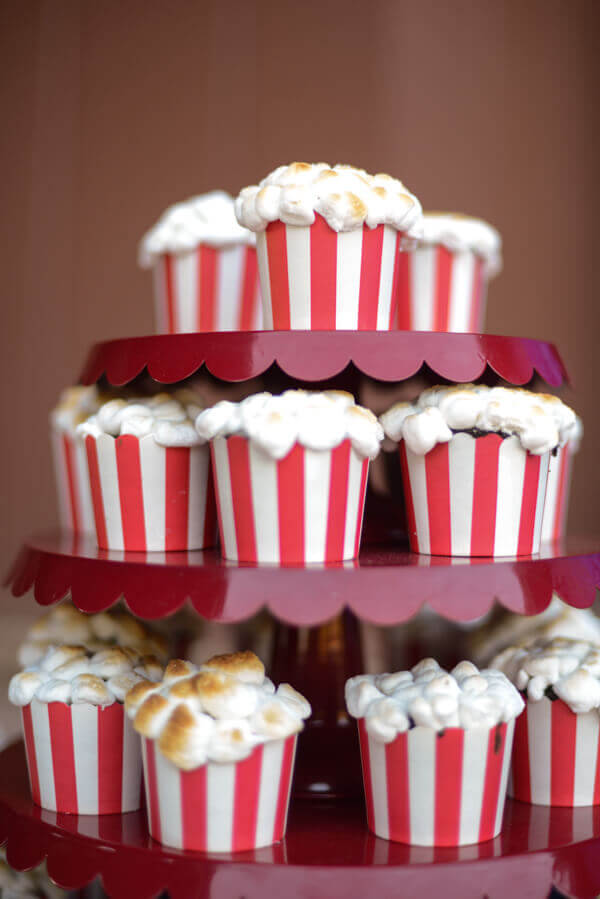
[
  {"x": 440, "y": 290},
  {"x": 556, "y": 758},
  {"x": 227, "y": 807},
  {"x": 557, "y": 494},
  {"x": 474, "y": 496},
  {"x": 148, "y": 497},
  {"x": 437, "y": 790},
  {"x": 207, "y": 289},
  {"x": 82, "y": 759},
  {"x": 314, "y": 278},
  {"x": 72, "y": 483},
  {"x": 307, "y": 507}
]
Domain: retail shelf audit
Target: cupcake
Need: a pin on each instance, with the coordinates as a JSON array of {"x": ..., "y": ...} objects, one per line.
[
  {"x": 204, "y": 264},
  {"x": 218, "y": 746},
  {"x": 556, "y": 758},
  {"x": 328, "y": 241},
  {"x": 149, "y": 474},
  {"x": 442, "y": 282},
  {"x": 559, "y": 484},
  {"x": 435, "y": 750},
  {"x": 82, "y": 753},
  {"x": 290, "y": 474},
  {"x": 474, "y": 467}
]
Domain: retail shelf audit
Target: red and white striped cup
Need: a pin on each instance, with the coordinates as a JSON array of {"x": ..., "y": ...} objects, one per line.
[
  {"x": 441, "y": 290},
  {"x": 557, "y": 493},
  {"x": 307, "y": 507},
  {"x": 314, "y": 278},
  {"x": 437, "y": 789},
  {"x": 148, "y": 497},
  {"x": 220, "y": 807},
  {"x": 72, "y": 482},
  {"x": 474, "y": 496},
  {"x": 556, "y": 757},
  {"x": 82, "y": 759},
  {"x": 207, "y": 289}
]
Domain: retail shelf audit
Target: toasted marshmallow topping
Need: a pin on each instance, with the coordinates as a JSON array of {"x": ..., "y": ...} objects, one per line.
[
  {"x": 570, "y": 667},
  {"x": 216, "y": 713},
  {"x": 65, "y": 623},
  {"x": 428, "y": 696},
  {"x": 167, "y": 417},
  {"x": 317, "y": 421},
  {"x": 541, "y": 422},
  {"x": 208, "y": 219},
  {"x": 75, "y": 404},
  {"x": 461, "y": 232},
  {"x": 73, "y": 674},
  {"x": 346, "y": 197}
]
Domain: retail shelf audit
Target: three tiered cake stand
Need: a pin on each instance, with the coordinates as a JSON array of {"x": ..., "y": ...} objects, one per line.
[{"x": 328, "y": 851}]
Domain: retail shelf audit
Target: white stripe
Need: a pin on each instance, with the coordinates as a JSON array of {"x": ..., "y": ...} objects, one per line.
[
  {"x": 62, "y": 480},
  {"x": 539, "y": 729},
  {"x": 461, "y": 291},
  {"x": 131, "y": 787},
  {"x": 475, "y": 751},
  {"x": 230, "y": 281},
  {"x": 265, "y": 503},
  {"x": 168, "y": 790},
  {"x": 422, "y": 288},
  {"x": 386, "y": 278},
  {"x": 270, "y": 776},
  {"x": 586, "y": 752},
  {"x": 317, "y": 476},
  {"x": 352, "y": 503},
  {"x": 265, "y": 283},
  {"x": 379, "y": 787},
  {"x": 220, "y": 795},
  {"x": 299, "y": 275},
  {"x": 540, "y": 502},
  {"x": 159, "y": 278},
  {"x": 421, "y": 784},
  {"x": 43, "y": 753},
  {"x": 198, "y": 496},
  {"x": 418, "y": 486},
  {"x": 506, "y": 767},
  {"x": 551, "y": 505},
  {"x": 84, "y": 493},
  {"x": 223, "y": 487},
  {"x": 186, "y": 271},
  {"x": 347, "y": 279},
  {"x": 511, "y": 474},
  {"x": 84, "y": 719},
  {"x": 109, "y": 486},
  {"x": 153, "y": 460},
  {"x": 461, "y": 466}
]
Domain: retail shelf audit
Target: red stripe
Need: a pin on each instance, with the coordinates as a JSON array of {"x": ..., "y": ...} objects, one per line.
[
  {"x": 448, "y": 786},
  {"x": 521, "y": 774},
  {"x": 403, "y": 291},
  {"x": 111, "y": 724},
  {"x": 207, "y": 288},
  {"x": 249, "y": 298},
  {"x": 245, "y": 800},
  {"x": 443, "y": 277},
  {"x": 338, "y": 497},
  {"x": 562, "y": 487},
  {"x": 96, "y": 491},
  {"x": 152, "y": 789},
  {"x": 361, "y": 505},
  {"x": 437, "y": 475},
  {"x": 210, "y": 512},
  {"x": 365, "y": 757},
  {"x": 69, "y": 451},
  {"x": 485, "y": 494},
  {"x": 177, "y": 497},
  {"x": 493, "y": 776},
  {"x": 531, "y": 486},
  {"x": 170, "y": 294},
  {"x": 63, "y": 757},
  {"x": 398, "y": 790},
  {"x": 323, "y": 275},
  {"x": 283, "y": 794},
  {"x": 131, "y": 495},
  {"x": 193, "y": 795},
  {"x": 278, "y": 275},
  {"x": 477, "y": 287},
  {"x": 411, "y": 521},
  {"x": 290, "y": 498},
  {"x": 370, "y": 273},
  {"x": 395, "y": 279},
  {"x": 562, "y": 754},
  {"x": 241, "y": 496},
  {"x": 31, "y": 756}
]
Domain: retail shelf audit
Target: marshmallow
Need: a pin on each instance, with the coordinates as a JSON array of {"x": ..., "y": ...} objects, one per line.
[
  {"x": 461, "y": 232},
  {"x": 169, "y": 419}
]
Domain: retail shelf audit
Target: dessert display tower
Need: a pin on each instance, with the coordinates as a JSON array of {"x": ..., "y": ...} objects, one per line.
[{"x": 328, "y": 850}]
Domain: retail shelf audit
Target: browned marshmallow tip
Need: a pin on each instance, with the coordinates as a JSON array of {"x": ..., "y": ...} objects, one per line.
[
  {"x": 244, "y": 665},
  {"x": 147, "y": 713},
  {"x": 138, "y": 694},
  {"x": 174, "y": 739},
  {"x": 177, "y": 668}
]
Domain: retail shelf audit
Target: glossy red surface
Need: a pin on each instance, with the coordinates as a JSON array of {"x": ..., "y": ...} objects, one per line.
[
  {"x": 386, "y": 585},
  {"x": 319, "y": 355},
  {"x": 327, "y": 846}
]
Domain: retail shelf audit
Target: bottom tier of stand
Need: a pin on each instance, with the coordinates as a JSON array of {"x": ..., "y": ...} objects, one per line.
[{"x": 327, "y": 852}]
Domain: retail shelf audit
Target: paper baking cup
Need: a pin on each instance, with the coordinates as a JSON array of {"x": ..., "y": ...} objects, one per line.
[
  {"x": 207, "y": 289},
  {"x": 82, "y": 759},
  {"x": 72, "y": 483},
  {"x": 555, "y": 757},
  {"x": 437, "y": 789},
  {"x": 474, "y": 496},
  {"x": 307, "y": 507},
  {"x": 148, "y": 497},
  {"x": 441, "y": 290},
  {"x": 314, "y": 278},
  {"x": 220, "y": 807},
  {"x": 557, "y": 494}
]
